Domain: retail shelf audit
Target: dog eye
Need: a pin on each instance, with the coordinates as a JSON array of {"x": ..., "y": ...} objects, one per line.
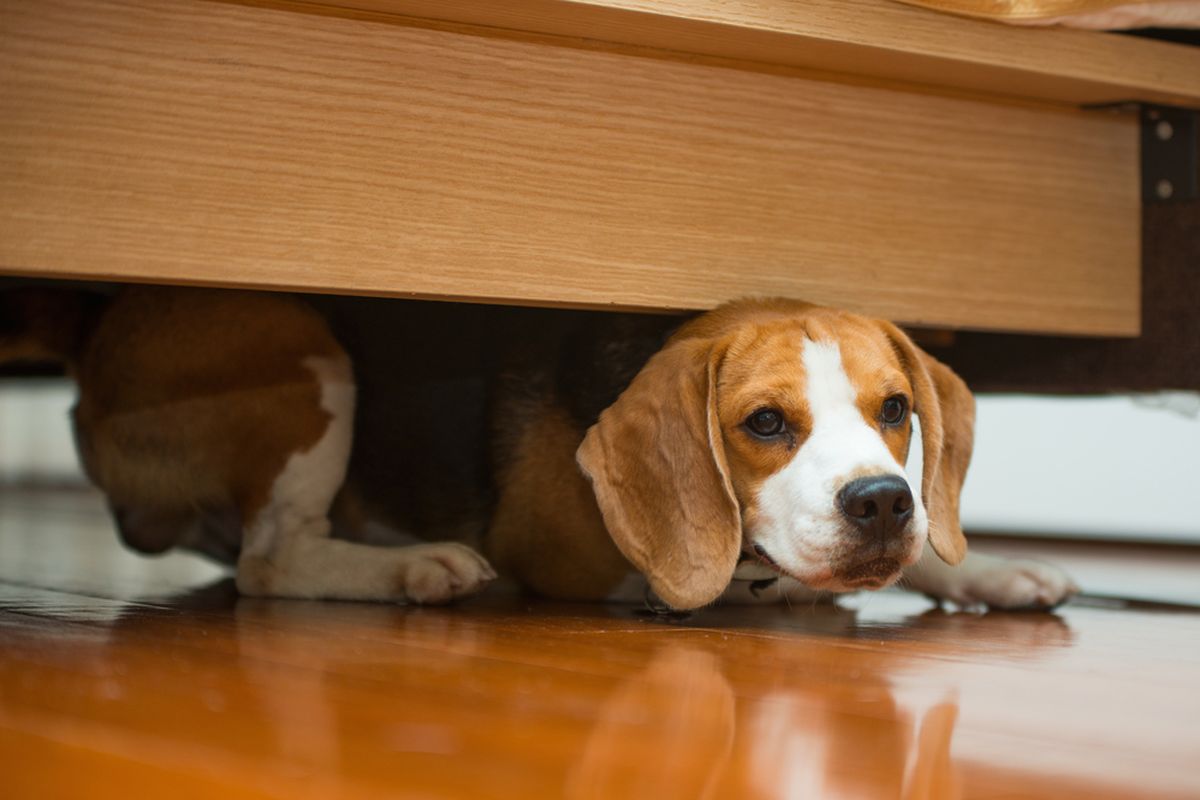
[
  {"x": 895, "y": 408},
  {"x": 765, "y": 423}
]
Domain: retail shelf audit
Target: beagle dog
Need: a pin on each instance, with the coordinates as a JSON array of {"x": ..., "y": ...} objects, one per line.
[
  {"x": 589, "y": 456},
  {"x": 773, "y": 432}
]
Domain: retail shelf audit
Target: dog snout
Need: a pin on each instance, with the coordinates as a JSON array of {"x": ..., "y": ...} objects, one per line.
[{"x": 879, "y": 504}]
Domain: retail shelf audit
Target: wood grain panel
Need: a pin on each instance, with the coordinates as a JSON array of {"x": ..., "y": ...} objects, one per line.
[
  {"x": 208, "y": 143},
  {"x": 876, "y": 38}
]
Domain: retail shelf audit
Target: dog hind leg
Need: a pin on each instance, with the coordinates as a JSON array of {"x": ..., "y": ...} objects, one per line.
[{"x": 288, "y": 550}]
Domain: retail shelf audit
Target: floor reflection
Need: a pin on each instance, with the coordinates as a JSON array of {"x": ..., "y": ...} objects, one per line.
[
  {"x": 585, "y": 702},
  {"x": 676, "y": 729},
  {"x": 666, "y": 731}
]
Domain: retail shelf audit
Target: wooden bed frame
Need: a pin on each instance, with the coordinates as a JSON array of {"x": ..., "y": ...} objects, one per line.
[{"x": 939, "y": 171}]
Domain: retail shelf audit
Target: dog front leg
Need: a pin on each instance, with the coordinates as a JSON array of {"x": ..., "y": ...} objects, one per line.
[{"x": 994, "y": 581}]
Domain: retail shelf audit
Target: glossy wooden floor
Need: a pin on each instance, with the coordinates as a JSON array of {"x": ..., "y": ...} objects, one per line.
[{"x": 128, "y": 677}]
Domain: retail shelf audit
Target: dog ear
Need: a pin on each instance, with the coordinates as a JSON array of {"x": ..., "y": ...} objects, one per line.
[
  {"x": 946, "y": 408},
  {"x": 657, "y": 464}
]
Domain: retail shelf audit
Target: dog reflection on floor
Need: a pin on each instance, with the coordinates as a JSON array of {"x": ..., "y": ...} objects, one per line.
[
  {"x": 834, "y": 722},
  {"x": 813, "y": 742}
]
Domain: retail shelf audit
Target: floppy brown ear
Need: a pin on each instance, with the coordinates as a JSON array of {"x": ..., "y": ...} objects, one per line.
[
  {"x": 657, "y": 465},
  {"x": 947, "y": 411}
]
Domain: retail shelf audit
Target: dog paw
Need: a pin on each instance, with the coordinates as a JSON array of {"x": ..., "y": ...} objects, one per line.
[
  {"x": 1014, "y": 584},
  {"x": 438, "y": 573}
]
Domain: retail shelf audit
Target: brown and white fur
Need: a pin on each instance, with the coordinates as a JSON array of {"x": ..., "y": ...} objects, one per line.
[
  {"x": 222, "y": 422},
  {"x": 225, "y": 422},
  {"x": 682, "y": 489}
]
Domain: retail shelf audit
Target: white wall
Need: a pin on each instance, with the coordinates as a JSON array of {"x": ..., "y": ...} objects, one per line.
[
  {"x": 35, "y": 432},
  {"x": 1099, "y": 466}
]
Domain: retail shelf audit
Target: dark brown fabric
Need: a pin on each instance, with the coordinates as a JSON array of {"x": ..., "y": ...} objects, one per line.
[{"x": 1165, "y": 356}]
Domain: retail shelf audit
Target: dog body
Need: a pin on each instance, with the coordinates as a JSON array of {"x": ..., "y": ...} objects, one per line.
[
  {"x": 590, "y": 456},
  {"x": 222, "y": 422},
  {"x": 772, "y": 431}
]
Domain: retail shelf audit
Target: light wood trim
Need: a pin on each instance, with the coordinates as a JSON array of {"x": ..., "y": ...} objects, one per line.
[
  {"x": 1027, "y": 10},
  {"x": 879, "y": 39},
  {"x": 207, "y": 143}
]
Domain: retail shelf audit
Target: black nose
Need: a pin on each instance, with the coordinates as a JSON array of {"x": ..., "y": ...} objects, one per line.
[{"x": 881, "y": 504}]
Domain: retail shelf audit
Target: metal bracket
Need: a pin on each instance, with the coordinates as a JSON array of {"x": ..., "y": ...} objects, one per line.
[{"x": 1170, "y": 154}]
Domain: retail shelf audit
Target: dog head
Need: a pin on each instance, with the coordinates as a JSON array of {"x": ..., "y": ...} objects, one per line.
[{"x": 781, "y": 429}]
